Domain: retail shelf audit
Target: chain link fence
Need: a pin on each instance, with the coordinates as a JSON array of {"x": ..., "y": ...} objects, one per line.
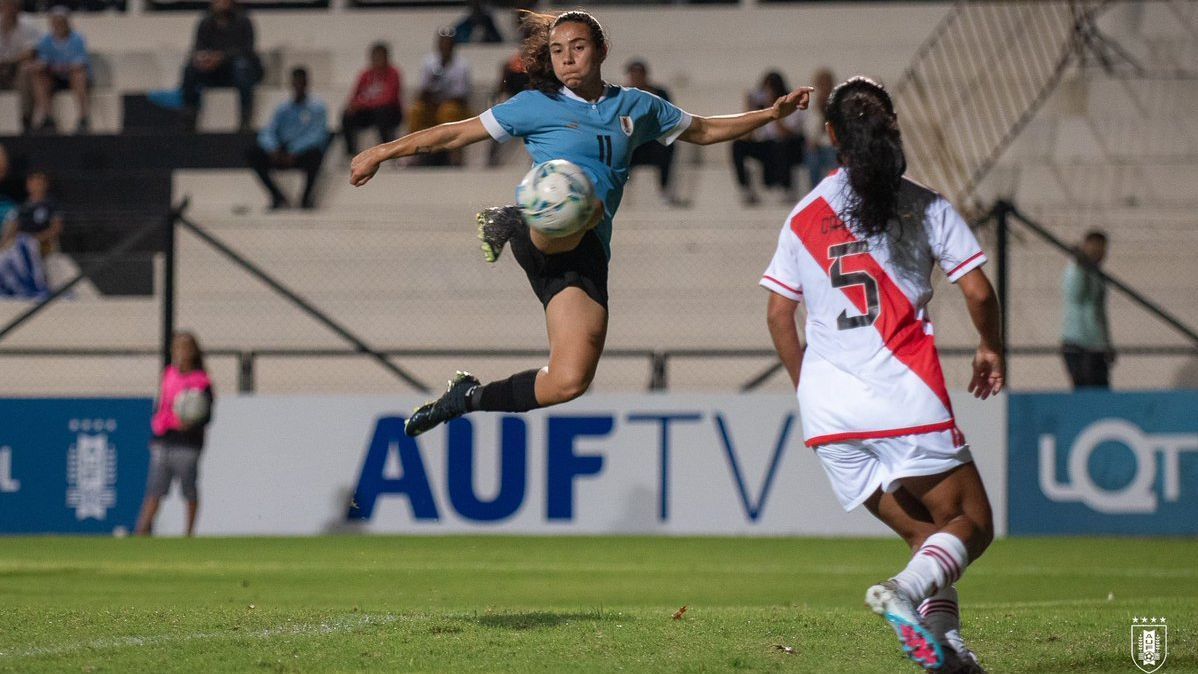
[{"x": 686, "y": 313}]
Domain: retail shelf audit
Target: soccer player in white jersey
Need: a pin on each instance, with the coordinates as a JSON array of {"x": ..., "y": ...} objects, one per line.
[
  {"x": 860, "y": 251},
  {"x": 571, "y": 113}
]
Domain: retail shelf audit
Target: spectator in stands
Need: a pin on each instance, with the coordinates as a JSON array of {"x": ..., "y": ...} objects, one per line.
[
  {"x": 38, "y": 217},
  {"x": 12, "y": 188},
  {"x": 18, "y": 48},
  {"x": 478, "y": 18},
  {"x": 1086, "y": 336},
  {"x": 778, "y": 146},
  {"x": 444, "y": 91},
  {"x": 29, "y": 235},
  {"x": 375, "y": 101},
  {"x": 513, "y": 78},
  {"x": 62, "y": 63},
  {"x": 222, "y": 56},
  {"x": 296, "y": 138},
  {"x": 176, "y": 445},
  {"x": 821, "y": 156},
  {"x": 653, "y": 153}
]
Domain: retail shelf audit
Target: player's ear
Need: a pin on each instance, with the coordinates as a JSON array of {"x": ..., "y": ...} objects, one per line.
[{"x": 831, "y": 134}]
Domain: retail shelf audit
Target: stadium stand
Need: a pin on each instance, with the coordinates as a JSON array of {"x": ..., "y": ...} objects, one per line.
[{"x": 397, "y": 262}]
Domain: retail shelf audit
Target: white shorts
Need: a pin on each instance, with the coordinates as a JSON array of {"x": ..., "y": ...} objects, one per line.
[{"x": 857, "y": 468}]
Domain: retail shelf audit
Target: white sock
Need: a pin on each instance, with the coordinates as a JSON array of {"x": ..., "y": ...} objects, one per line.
[
  {"x": 941, "y": 611},
  {"x": 938, "y": 564}
]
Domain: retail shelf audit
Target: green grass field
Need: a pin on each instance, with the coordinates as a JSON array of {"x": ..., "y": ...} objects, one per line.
[{"x": 552, "y": 604}]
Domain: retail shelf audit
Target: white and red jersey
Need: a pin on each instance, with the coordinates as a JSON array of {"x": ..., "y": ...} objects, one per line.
[{"x": 871, "y": 368}]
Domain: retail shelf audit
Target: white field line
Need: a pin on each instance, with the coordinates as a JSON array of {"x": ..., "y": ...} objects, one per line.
[
  {"x": 345, "y": 624},
  {"x": 1050, "y": 603},
  {"x": 536, "y": 566}
]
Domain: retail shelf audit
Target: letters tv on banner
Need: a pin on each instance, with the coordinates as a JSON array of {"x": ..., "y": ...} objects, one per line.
[
  {"x": 653, "y": 464},
  {"x": 72, "y": 465},
  {"x": 1097, "y": 462}
]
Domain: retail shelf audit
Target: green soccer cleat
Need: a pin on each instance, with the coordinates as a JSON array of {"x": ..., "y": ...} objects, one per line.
[
  {"x": 496, "y": 225},
  {"x": 451, "y": 405}
]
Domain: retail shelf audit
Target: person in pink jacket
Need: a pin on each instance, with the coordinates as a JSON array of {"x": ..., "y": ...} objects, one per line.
[{"x": 186, "y": 392}]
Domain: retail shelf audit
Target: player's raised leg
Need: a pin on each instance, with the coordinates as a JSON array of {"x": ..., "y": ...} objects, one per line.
[{"x": 577, "y": 327}]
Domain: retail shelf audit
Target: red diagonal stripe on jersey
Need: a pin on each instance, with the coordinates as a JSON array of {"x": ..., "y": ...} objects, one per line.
[{"x": 819, "y": 228}]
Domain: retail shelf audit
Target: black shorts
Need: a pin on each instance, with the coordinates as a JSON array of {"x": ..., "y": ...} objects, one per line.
[
  {"x": 62, "y": 82},
  {"x": 584, "y": 267}
]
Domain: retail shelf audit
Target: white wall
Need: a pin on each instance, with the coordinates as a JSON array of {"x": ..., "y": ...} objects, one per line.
[{"x": 288, "y": 465}]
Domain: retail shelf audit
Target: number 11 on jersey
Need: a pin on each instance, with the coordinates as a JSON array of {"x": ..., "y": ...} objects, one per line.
[{"x": 604, "y": 148}]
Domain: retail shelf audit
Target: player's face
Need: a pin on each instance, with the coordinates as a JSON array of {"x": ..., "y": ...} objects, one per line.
[{"x": 576, "y": 58}]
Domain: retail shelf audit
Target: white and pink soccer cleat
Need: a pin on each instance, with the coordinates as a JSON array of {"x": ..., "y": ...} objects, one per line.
[{"x": 918, "y": 642}]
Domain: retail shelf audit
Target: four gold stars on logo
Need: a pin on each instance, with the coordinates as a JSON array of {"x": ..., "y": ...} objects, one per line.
[{"x": 1153, "y": 620}]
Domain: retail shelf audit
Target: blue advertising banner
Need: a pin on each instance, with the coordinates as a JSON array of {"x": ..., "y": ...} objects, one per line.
[
  {"x": 1098, "y": 462},
  {"x": 72, "y": 465}
]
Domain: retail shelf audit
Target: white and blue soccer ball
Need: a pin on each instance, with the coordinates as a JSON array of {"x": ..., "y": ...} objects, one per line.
[
  {"x": 556, "y": 198},
  {"x": 190, "y": 406}
]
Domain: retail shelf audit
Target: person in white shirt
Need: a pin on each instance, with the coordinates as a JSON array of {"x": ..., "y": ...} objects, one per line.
[
  {"x": 859, "y": 251},
  {"x": 444, "y": 93},
  {"x": 18, "y": 45}
]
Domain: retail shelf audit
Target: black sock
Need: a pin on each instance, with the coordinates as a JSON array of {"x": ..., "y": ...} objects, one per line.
[{"x": 517, "y": 393}]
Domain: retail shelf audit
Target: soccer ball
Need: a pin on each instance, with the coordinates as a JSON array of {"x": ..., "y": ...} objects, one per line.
[
  {"x": 556, "y": 198},
  {"x": 190, "y": 406}
]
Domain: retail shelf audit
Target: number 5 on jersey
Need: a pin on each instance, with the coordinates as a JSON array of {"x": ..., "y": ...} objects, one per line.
[{"x": 841, "y": 280}]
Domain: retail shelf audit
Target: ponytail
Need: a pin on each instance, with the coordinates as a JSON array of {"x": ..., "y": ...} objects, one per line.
[{"x": 870, "y": 148}]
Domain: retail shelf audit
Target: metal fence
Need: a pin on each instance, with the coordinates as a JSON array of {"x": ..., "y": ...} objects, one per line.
[{"x": 265, "y": 333}]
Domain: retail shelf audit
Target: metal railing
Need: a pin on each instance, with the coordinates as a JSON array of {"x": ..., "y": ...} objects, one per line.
[{"x": 657, "y": 361}]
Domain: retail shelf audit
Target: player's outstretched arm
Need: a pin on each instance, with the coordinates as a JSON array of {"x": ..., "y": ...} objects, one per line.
[
  {"x": 709, "y": 130},
  {"x": 989, "y": 370},
  {"x": 440, "y": 138},
  {"x": 780, "y": 315}
]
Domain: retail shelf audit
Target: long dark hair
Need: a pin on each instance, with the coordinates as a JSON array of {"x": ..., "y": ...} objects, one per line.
[
  {"x": 870, "y": 148},
  {"x": 535, "y": 49},
  {"x": 774, "y": 85}
]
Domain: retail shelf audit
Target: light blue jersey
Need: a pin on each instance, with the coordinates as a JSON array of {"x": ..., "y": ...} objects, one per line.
[{"x": 599, "y": 137}]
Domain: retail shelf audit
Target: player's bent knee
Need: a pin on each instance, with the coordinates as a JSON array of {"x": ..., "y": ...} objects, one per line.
[
  {"x": 985, "y": 534},
  {"x": 567, "y": 388}
]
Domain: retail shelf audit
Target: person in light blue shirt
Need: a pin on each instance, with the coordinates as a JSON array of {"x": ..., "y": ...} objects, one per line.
[
  {"x": 295, "y": 139},
  {"x": 1085, "y": 333},
  {"x": 570, "y": 113},
  {"x": 62, "y": 63}
]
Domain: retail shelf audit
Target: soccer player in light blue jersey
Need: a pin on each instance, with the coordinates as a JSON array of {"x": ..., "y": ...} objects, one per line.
[{"x": 569, "y": 112}]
